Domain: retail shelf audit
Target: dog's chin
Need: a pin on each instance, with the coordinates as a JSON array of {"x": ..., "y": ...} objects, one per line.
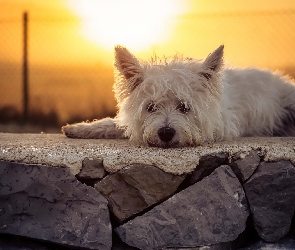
[
  {"x": 172, "y": 144},
  {"x": 163, "y": 145}
]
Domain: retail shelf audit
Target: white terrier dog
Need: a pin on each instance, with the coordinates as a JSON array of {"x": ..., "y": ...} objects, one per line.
[{"x": 184, "y": 102}]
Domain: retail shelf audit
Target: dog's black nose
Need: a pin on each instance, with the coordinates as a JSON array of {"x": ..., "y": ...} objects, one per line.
[{"x": 166, "y": 133}]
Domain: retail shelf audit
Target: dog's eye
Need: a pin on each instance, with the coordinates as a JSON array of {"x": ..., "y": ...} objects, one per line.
[
  {"x": 151, "y": 107},
  {"x": 183, "y": 108},
  {"x": 206, "y": 75}
]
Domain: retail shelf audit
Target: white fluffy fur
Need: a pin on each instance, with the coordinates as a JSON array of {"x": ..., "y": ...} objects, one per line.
[{"x": 196, "y": 101}]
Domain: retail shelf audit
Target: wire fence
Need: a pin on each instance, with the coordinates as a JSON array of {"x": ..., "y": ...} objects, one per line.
[{"x": 67, "y": 81}]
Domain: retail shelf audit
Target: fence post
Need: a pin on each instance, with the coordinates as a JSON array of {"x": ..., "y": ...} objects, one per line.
[{"x": 25, "y": 69}]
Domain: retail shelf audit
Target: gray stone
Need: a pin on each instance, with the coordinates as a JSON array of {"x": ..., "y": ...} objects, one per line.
[
  {"x": 284, "y": 244},
  {"x": 207, "y": 164},
  {"x": 245, "y": 167},
  {"x": 271, "y": 195},
  {"x": 12, "y": 242},
  {"x": 92, "y": 169},
  {"x": 49, "y": 204},
  {"x": 211, "y": 211},
  {"x": 219, "y": 246},
  {"x": 137, "y": 187}
]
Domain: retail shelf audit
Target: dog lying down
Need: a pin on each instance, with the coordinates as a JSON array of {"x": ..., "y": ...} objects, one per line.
[{"x": 184, "y": 102}]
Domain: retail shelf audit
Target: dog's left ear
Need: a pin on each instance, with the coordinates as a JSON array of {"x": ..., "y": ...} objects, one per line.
[
  {"x": 129, "y": 67},
  {"x": 213, "y": 62}
]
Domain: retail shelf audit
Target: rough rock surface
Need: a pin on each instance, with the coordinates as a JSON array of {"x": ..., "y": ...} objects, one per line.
[
  {"x": 271, "y": 196},
  {"x": 12, "y": 242},
  {"x": 284, "y": 244},
  {"x": 211, "y": 211},
  {"x": 207, "y": 165},
  {"x": 46, "y": 208},
  {"x": 49, "y": 204},
  {"x": 219, "y": 246},
  {"x": 92, "y": 169},
  {"x": 135, "y": 188},
  {"x": 245, "y": 167}
]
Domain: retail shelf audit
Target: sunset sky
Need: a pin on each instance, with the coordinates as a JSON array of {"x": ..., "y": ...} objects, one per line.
[
  {"x": 71, "y": 43},
  {"x": 190, "y": 27}
]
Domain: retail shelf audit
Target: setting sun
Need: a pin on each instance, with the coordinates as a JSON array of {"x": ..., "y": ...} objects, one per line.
[{"x": 132, "y": 23}]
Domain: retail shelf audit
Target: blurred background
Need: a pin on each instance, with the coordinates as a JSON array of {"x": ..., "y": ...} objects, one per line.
[{"x": 56, "y": 57}]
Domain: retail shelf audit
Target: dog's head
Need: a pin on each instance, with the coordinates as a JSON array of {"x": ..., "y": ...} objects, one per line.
[{"x": 168, "y": 103}]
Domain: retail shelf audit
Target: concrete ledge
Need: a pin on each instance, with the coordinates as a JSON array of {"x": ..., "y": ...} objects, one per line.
[{"x": 59, "y": 151}]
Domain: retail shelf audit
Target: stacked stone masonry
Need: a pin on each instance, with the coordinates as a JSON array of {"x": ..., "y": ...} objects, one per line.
[{"x": 229, "y": 201}]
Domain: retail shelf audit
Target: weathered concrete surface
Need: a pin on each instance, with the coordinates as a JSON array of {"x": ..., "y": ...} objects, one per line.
[{"x": 58, "y": 150}]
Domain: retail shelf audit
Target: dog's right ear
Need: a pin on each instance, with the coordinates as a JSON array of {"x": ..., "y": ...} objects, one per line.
[
  {"x": 129, "y": 67},
  {"x": 213, "y": 63}
]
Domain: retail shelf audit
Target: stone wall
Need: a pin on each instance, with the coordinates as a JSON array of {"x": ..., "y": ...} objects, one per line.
[{"x": 230, "y": 200}]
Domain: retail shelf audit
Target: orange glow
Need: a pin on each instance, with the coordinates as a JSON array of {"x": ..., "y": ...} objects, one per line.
[
  {"x": 71, "y": 44},
  {"x": 135, "y": 24}
]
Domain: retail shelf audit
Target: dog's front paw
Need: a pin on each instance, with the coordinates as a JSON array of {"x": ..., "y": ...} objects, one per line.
[
  {"x": 70, "y": 131},
  {"x": 98, "y": 129}
]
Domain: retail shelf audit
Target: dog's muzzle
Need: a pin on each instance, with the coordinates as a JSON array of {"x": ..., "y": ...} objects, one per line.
[{"x": 166, "y": 134}]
